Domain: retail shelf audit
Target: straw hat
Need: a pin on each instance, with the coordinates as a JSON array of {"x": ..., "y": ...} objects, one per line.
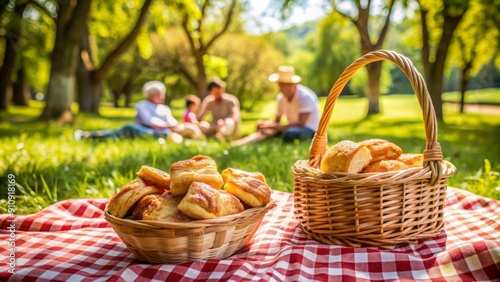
[{"x": 285, "y": 74}]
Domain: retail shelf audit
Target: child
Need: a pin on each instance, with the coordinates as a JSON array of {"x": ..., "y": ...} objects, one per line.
[{"x": 191, "y": 126}]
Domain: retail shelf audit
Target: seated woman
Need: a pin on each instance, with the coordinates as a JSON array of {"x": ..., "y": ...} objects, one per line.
[{"x": 153, "y": 118}]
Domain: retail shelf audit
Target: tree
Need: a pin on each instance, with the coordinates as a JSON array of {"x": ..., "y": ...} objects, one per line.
[
  {"x": 476, "y": 41},
  {"x": 11, "y": 50},
  {"x": 439, "y": 21},
  {"x": 203, "y": 24},
  {"x": 72, "y": 16},
  {"x": 359, "y": 14},
  {"x": 90, "y": 76}
]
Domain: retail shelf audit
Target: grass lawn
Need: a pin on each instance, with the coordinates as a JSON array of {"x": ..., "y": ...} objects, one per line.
[{"x": 49, "y": 166}]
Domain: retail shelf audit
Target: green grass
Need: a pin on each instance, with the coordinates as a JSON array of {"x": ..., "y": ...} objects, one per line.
[{"x": 50, "y": 166}]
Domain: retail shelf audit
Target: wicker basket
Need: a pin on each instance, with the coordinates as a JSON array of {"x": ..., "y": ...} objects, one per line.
[
  {"x": 373, "y": 209},
  {"x": 171, "y": 242}
]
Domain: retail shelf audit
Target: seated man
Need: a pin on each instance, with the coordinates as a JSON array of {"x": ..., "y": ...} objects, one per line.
[
  {"x": 153, "y": 118},
  {"x": 225, "y": 111},
  {"x": 297, "y": 103}
]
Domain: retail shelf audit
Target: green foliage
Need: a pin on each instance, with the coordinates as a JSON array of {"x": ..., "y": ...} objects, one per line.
[{"x": 50, "y": 166}]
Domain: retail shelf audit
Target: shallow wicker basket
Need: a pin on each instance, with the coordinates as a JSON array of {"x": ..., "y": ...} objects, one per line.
[
  {"x": 373, "y": 209},
  {"x": 170, "y": 242}
]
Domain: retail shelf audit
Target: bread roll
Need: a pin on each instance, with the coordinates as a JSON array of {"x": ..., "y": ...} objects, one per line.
[
  {"x": 154, "y": 176},
  {"x": 129, "y": 195},
  {"x": 385, "y": 166},
  {"x": 202, "y": 201},
  {"x": 198, "y": 168},
  {"x": 149, "y": 201},
  {"x": 381, "y": 149},
  {"x": 253, "y": 192},
  {"x": 164, "y": 207},
  {"x": 238, "y": 173},
  {"x": 412, "y": 160},
  {"x": 346, "y": 156},
  {"x": 230, "y": 204}
]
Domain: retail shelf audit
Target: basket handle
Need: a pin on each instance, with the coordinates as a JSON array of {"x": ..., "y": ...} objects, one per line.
[{"x": 432, "y": 153}]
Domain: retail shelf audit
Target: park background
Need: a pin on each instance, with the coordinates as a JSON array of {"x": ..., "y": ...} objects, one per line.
[{"x": 72, "y": 64}]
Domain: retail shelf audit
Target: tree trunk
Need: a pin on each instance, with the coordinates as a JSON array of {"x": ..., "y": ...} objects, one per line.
[
  {"x": 70, "y": 27},
  {"x": 10, "y": 53},
  {"x": 20, "y": 93},
  {"x": 435, "y": 72},
  {"x": 90, "y": 78},
  {"x": 464, "y": 81},
  {"x": 374, "y": 71}
]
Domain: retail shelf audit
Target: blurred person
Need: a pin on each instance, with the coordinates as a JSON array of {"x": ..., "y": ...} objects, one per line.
[
  {"x": 297, "y": 103},
  {"x": 191, "y": 126},
  {"x": 153, "y": 118},
  {"x": 224, "y": 109}
]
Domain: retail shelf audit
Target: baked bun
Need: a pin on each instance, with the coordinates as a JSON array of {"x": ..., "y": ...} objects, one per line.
[
  {"x": 230, "y": 204},
  {"x": 202, "y": 201},
  {"x": 252, "y": 191},
  {"x": 198, "y": 168},
  {"x": 238, "y": 173},
  {"x": 129, "y": 195},
  {"x": 412, "y": 160},
  {"x": 346, "y": 156},
  {"x": 385, "y": 166},
  {"x": 145, "y": 203},
  {"x": 164, "y": 207},
  {"x": 154, "y": 176},
  {"x": 381, "y": 149}
]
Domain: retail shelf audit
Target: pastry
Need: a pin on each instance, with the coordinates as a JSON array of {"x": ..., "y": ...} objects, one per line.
[
  {"x": 154, "y": 176},
  {"x": 147, "y": 202},
  {"x": 412, "y": 160},
  {"x": 253, "y": 192},
  {"x": 346, "y": 156},
  {"x": 233, "y": 172},
  {"x": 202, "y": 201},
  {"x": 163, "y": 207},
  {"x": 381, "y": 149},
  {"x": 129, "y": 195},
  {"x": 385, "y": 166},
  {"x": 198, "y": 168},
  {"x": 230, "y": 204}
]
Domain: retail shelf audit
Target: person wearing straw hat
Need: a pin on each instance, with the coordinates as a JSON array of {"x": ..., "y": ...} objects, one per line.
[
  {"x": 297, "y": 103},
  {"x": 224, "y": 109},
  {"x": 153, "y": 118}
]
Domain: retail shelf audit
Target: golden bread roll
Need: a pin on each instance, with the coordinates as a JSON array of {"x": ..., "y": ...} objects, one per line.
[
  {"x": 230, "y": 204},
  {"x": 129, "y": 195},
  {"x": 253, "y": 192},
  {"x": 238, "y": 173},
  {"x": 202, "y": 201},
  {"x": 147, "y": 202},
  {"x": 346, "y": 156},
  {"x": 385, "y": 166},
  {"x": 198, "y": 168},
  {"x": 165, "y": 207},
  {"x": 381, "y": 149},
  {"x": 412, "y": 160},
  {"x": 154, "y": 176}
]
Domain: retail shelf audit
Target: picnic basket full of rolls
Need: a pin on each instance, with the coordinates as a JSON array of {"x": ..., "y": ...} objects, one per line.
[
  {"x": 371, "y": 193},
  {"x": 193, "y": 212}
]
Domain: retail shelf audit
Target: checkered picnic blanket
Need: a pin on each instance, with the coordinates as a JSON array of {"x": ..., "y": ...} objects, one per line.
[{"x": 71, "y": 241}]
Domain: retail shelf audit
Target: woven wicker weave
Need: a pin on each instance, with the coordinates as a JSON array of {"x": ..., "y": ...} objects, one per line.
[
  {"x": 375, "y": 209},
  {"x": 171, "y": 242}
]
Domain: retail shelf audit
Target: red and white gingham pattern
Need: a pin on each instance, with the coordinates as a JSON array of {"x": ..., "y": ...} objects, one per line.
[{"x": 71, "y": 241}]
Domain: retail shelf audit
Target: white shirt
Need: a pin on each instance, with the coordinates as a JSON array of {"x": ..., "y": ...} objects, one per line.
[
  {"x": 303, "y": 101},
  {"x": 151, "y": 115}
]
